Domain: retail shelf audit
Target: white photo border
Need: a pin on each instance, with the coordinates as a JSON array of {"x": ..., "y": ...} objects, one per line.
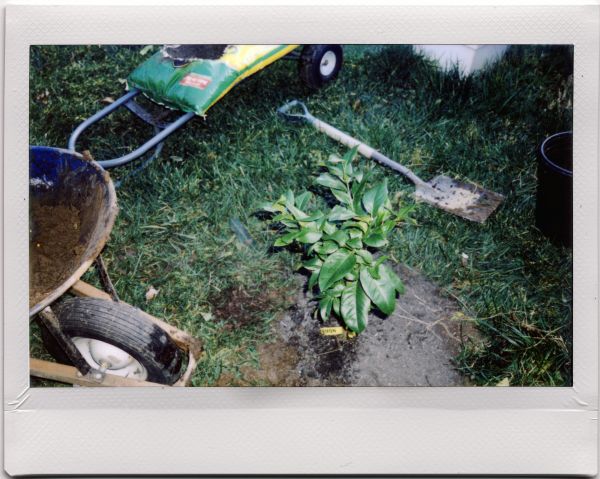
[{"x": 301, "y": 430}]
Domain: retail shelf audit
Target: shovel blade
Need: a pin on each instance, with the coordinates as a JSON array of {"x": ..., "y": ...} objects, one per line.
[{"x": 466, "y": 200}]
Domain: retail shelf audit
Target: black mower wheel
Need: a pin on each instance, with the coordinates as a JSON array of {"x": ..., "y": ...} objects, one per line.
[
  {"x": 320, "y": 64},
  {"x": 118, "y": 337}
]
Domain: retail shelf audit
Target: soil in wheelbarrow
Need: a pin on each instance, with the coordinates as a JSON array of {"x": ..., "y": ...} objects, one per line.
[
  {"x": 414, "y": 346},
  {"x": 54, "y": 247}
]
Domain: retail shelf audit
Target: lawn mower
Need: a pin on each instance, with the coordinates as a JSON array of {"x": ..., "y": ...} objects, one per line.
[{"x": 192, "y": 78}]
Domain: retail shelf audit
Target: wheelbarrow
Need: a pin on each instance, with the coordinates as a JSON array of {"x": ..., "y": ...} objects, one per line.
[
  {"x": 192, "y": 78},
  {"x": 72, "y": 211}
]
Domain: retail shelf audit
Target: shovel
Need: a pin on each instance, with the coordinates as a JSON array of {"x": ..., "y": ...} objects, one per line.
[{"x": 466, "y": 200}]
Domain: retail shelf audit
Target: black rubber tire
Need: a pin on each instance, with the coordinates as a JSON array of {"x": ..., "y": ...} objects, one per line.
[
  {"x": 310, "y": 65},
  {"x": 122, "y": 326}
]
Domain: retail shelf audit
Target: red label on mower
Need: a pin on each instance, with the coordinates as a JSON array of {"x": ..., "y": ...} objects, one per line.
[{"x": 195, "y": 81}]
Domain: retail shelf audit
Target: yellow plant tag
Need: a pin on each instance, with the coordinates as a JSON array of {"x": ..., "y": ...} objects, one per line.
[
  {"x": 333, "y": 331},
  {"x": 337, "y": 331}
]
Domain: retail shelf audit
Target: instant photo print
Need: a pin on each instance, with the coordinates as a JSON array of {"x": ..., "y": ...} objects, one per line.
[{"x": 279, "y": 231}]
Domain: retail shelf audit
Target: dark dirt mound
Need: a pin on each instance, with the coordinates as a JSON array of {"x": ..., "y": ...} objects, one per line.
[
  {"x": 239, "y": 307},
  {"x": 415, "y": 346},
  {"x": 187, "y": 53},
  {"x": 55, "y": 249}
]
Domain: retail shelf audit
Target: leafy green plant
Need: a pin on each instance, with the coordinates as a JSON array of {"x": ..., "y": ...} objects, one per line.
[{"x": 338, "y": 244}]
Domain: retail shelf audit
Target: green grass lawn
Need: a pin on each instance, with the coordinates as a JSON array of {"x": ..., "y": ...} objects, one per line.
[{"x": 173, "y": 229}]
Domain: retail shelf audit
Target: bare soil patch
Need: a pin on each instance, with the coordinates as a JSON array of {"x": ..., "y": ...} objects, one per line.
[{"x": 414, "y": 346}]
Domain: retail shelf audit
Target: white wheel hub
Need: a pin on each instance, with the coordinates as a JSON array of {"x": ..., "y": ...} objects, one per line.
[
  {"x": 328, "y": 63},
  {"x": 109, "y": 358}
]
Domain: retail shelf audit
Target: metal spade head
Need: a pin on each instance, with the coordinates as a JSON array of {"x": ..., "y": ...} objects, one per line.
[{"x": 466, "y": 200}]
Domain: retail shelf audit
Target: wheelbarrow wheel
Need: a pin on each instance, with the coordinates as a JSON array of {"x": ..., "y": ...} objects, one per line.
[
  {"x": 117, "y": 337},
  {"x": 320, "y": 64}
]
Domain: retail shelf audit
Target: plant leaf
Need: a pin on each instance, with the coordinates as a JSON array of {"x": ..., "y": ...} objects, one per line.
[
  {"x": 348, "y": 157},
  {"x": 325, "y": 307},
  {"x": 335, "y": 268},
  {"x": 375, "y": 198},
  {"x": 388, "y": 226},
  {"x": 308, "y": 225},
  {"x": 303, "y": 199},
  {"x": 390, "y": 275},
  {"x": 340, "y": 237},
  {"x": 358, "y": 189},
  {"x": 298, "y": 214},
  {"x": 376, "y": 240},
  {"x": 355, "y": 307},
  {"x": 356, "y": 224},
  {"x": 364, "y": 254},
  {"x": 381, "y": 291},
  {"x": 286, "y": 239},
  {"x": 309, "y": 236},
  {"x": 348, "y": 171},
  {"x": 374, "y": 272},
  {"x": 337, "y": 290},
  {"x": 382, "y": 216},
  {"x": 342, "y": 197},
  {"x": 329, "y": 228},
  {"x": 283, "y": 216},
  {"x": 355, "y": 233},
  {"x": 292, "y": 224},
  {"x": 313, "y": 247},
  {"x": 379, "y": 261},
  {"x": 354, "y": 243},
  {"x": 288, "y": 197},
  {"x": 336, "y": 306},
  {"x": 312, "y": 264},
  {"x": 337, "y": 171},
  {"x": 350, "y": 154},
  {"x": 350, "y": 276},
  {"x": 325, "y": 179},
  {"x": 317, "y": 215},
  {"x": 271, "y": 207},
  {"x": 339, "y": 213},
  {"x": 404, "y": 212},
  {"x": 327, "y": 247},
  {"x": 313, "y": 280}
]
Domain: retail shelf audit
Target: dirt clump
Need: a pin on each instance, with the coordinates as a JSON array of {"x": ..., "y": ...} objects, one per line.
[
  {"x": 277, "y": 368},
  {"x": 278, "y": 365},
  {"x": 55, "y": 247},
  {"x": 238, "y": 307}
]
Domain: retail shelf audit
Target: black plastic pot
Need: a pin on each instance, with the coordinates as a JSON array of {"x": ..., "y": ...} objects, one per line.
[{"x": 554, "y": 202}]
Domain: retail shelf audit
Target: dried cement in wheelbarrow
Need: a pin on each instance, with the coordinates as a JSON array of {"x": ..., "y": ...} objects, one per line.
[{"x": 54, "y": 247}]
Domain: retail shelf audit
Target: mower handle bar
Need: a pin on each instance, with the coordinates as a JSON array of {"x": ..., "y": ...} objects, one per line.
[{"x": 151, "y": 143}]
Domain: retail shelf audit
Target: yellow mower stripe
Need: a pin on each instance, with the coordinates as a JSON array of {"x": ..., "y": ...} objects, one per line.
[{"x": 231, "y": 62}]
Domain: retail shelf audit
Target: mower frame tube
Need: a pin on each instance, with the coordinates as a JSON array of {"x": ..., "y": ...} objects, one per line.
[{"x": 151, "y": 143}]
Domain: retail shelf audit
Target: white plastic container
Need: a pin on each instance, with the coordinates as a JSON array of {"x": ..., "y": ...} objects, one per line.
[{"x": 469, "y": 58}]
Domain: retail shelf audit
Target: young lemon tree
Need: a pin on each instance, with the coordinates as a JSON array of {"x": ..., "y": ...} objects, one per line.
[{"x": 338, "y": 244}]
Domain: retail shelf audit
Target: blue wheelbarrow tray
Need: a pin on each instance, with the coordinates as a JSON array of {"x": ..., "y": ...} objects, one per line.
[{"x": 72, "y": 209}]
